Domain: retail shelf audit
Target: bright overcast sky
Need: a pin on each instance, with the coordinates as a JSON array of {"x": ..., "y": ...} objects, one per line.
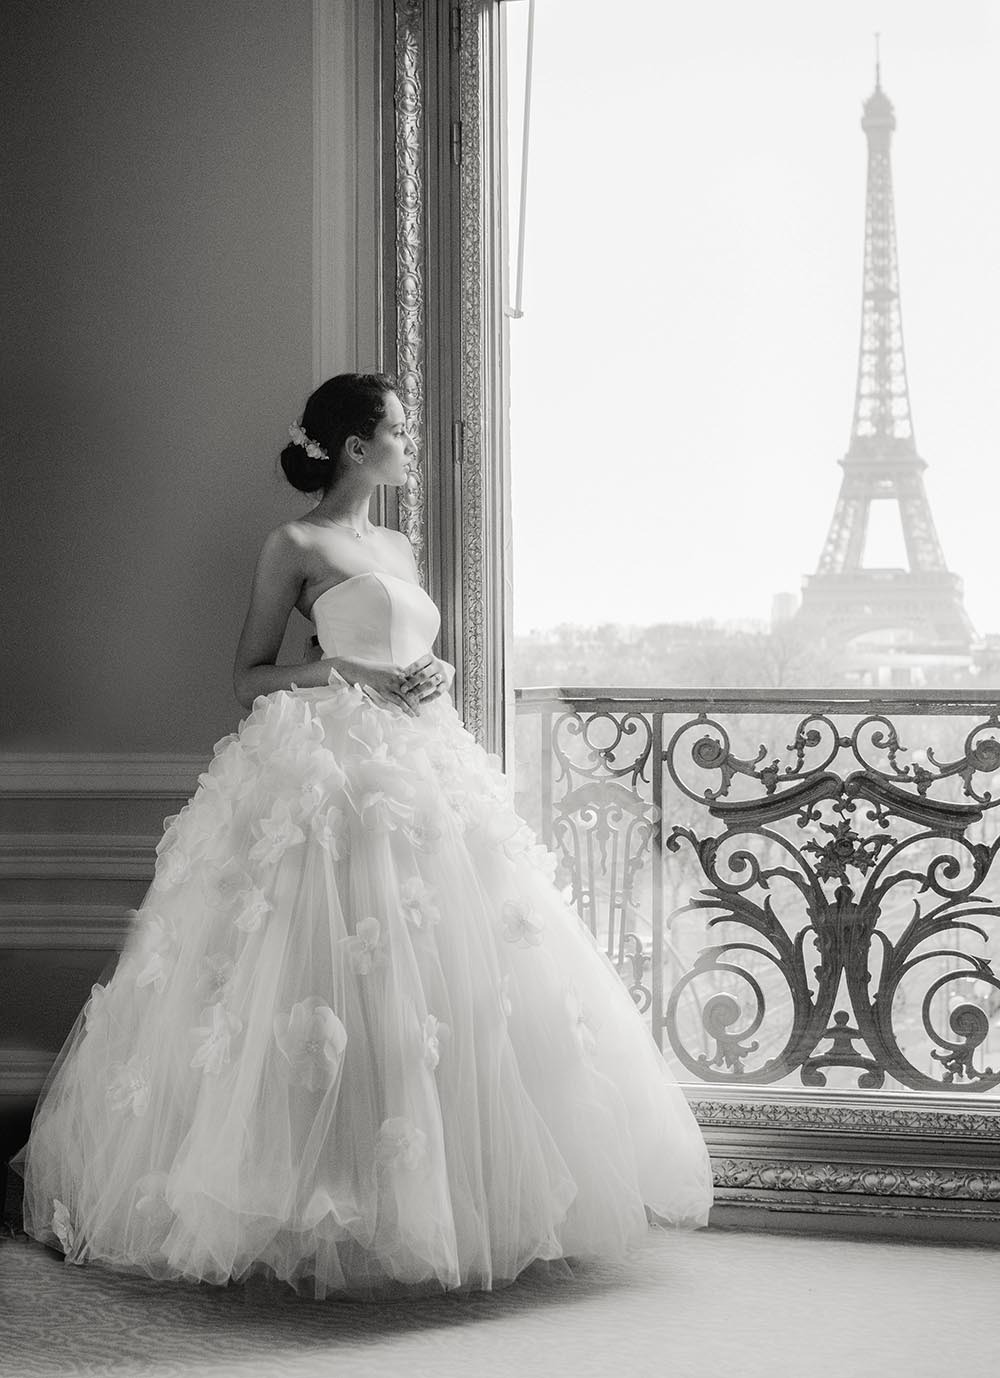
[{"x": 683, "y": 377}]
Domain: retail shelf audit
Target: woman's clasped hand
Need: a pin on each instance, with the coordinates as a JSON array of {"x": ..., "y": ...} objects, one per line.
[{"x": 408, "y": 687}]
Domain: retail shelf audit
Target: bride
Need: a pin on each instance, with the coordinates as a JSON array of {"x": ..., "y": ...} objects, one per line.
[{"x": 356, "y": 1039}]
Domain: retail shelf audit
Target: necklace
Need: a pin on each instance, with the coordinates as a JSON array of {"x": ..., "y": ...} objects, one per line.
[{"x": 354, "y": 529}]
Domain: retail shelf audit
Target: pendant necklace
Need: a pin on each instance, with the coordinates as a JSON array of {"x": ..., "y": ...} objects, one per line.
[{"x": 354, "y": 529}]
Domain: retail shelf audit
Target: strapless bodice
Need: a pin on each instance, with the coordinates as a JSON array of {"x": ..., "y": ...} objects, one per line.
[{"x": 376, "y": 617}]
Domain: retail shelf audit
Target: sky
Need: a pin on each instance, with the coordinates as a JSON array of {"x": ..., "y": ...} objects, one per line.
[{"x": 682, "y": 379}]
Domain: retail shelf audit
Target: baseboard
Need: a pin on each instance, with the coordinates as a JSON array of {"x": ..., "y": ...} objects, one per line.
[{"x": 848, "y": 1221}]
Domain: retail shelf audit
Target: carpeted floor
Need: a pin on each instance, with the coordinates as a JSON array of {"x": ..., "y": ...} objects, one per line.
[{"x": 719, "y": 1303}]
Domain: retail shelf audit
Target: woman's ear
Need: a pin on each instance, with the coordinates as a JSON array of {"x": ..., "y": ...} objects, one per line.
[{"x": 352, "y": 446}]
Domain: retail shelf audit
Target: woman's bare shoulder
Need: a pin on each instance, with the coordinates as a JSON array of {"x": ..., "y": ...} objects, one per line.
[
  {"x": 397, "y": 536},
  {"x": 293, "y": 542},
  {"x": 400, "y": 542},
  {"x": 298, "y": 533},
  {"x": 287, "y": 549}
]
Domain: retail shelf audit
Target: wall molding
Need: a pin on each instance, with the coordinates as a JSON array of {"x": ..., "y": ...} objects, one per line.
[
  {"x": 23, "y": 1072},
  {"x": 101, "y": 927},
  {"x": 334, "y": 188},
  {"x": 82, "y": 856},
  {"x": 34, "y": 775},
  {"x": 346, "y": 189}
]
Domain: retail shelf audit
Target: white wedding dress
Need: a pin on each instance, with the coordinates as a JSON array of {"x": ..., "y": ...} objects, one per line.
[{"x": 356, "y": 1039}]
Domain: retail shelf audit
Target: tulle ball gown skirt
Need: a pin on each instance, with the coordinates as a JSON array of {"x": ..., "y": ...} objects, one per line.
[{"x": 357, "y": 1040}]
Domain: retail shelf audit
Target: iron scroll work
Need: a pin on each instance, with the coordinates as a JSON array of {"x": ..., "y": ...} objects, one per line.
[{"x": 822, "y": 910}]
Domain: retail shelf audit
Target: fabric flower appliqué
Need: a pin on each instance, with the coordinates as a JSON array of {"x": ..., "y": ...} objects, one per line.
[
  {"x": 321, "y": 774},
  {"x": 383, "y": 794},
  {"x": 275, "y": 834},
  {"x": 252, "y": 908},
  {"x": 227, "y": 881},
  {"x": 215, "y": 971},
  {"x": 400, "y": 1144},
  {"x": 217, "y": 1035},
  {"x": 312, "y": 1041},
  {"x": 346, "y": 703},
  {"x": 380, "y": 812},
  {"x": 583, "y": 1025},
  {"x": 424, "y": 835},
  {"x": 363, "y": 946},
  {"x": 128, "y": 1088},
  {"x": 220, "y": 791},
  {"x": 524, "y": 845},
  {"x": 231, "y": 887},
  {"x": 417, "y": 902},
  {"x": 433, "y": 1032},
  {"x": 520, "y": 925},
  {"x": 156, "y": 941},
  {"x": 173, "y": 865},
  {"x": 96, "y": 1009},
  {"x": 466, "y": 809},
  {"x": 330, "y": 830},
  {"x": 312, "y": 796},
  {"x": 62, "y": 1226},
  {"x": 151, "y": 1202},
  {"x": 545, "y": 861}
]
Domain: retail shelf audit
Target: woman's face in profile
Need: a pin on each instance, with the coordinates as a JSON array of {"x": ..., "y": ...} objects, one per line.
[{"x": 390, "y": 450}]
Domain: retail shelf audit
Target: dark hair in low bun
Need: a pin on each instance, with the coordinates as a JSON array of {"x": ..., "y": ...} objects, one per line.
[
  {"x": 350, "y": 404},
  {"x": 304, "y": 473}
]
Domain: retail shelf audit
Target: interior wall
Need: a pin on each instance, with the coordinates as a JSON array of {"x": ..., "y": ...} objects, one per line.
[
  {"x": 159, "y": 340},
  {"x": 190, "y": 236}
]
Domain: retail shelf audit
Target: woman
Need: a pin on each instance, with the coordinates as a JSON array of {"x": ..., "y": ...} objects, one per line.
[{"x": 356, "y": 1039}]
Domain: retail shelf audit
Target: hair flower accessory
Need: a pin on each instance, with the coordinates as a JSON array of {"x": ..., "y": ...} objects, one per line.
[{"x": 313, "y": 450}]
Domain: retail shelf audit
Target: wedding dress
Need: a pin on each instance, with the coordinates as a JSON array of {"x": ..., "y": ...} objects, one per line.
[{"x": 357, "y": 1039}]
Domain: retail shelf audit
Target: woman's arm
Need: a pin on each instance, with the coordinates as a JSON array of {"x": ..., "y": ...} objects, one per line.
[{"x": 277, "y": 582}]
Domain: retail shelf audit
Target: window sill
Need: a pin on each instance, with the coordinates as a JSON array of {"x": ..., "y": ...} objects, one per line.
[{"x": 868, "y": 1156}]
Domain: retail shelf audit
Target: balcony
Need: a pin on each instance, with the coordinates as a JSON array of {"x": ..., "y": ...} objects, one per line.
[{"x": 801, "y": 892}]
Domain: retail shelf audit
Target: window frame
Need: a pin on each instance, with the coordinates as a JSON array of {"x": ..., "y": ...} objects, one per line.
[{"x": 918, "y": 1163}]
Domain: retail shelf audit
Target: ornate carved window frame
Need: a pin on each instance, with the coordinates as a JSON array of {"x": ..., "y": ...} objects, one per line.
[
  {"x": 932, "y": 1162},
  {"x": 443, "y": 323}
]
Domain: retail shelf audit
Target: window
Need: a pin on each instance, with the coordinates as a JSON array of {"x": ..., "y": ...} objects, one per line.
[
  {"x": 667, "y": 754},
  {"x": 701, "y": 208},
  {"x": 697, "y": 226}
]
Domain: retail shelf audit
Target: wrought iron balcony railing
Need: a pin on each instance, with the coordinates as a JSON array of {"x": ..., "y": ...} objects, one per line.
[{"x": 796, "y": 887}]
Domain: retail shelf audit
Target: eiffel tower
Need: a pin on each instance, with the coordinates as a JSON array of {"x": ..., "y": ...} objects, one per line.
[{"x": 920, "y": 607}]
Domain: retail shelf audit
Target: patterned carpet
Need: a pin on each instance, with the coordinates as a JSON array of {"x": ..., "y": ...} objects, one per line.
[{"x": 713, "y": 1303}]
